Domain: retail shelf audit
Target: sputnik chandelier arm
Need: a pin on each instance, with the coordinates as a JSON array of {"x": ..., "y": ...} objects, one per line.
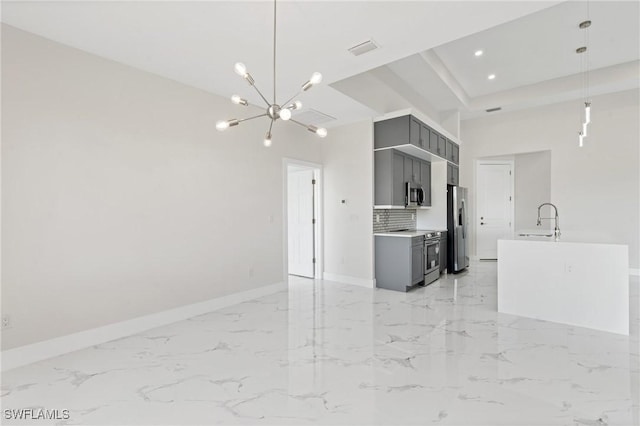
[{"x": 274, "y": 110}]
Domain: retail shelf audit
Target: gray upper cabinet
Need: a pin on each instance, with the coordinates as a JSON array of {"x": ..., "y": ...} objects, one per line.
[
  {"x": 453, "y": 177},
  {"x": 401, "y": 131},
  {"x": 398, "y": 131},
  {"x": 408, "y": 130},
  {"x": 389, "y": 178},
  {"x": 392, "y": 170},
  {"x": 453, "y": 152}
]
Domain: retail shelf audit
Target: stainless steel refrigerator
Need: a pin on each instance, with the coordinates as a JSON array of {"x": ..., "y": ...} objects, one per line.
[{"x": 457, "y": 229}]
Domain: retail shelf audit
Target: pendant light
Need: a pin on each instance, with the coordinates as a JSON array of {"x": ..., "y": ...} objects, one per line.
[
  {"x": 584, "y": 52},
  {"x": 274, "y": 111}
]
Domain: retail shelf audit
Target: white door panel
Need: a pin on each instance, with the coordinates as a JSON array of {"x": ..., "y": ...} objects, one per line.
[
  {"x": 300, "y": 222},
  {"x": 494, "y": 214}
]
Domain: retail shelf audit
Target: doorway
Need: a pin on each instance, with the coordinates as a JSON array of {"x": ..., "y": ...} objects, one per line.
[
  {"x": 494, "y": 213},
  {"x": 302, "y": 212}
]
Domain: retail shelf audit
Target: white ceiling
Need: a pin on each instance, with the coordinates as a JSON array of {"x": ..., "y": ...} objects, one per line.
[
  {"x": 534, "y": 59},
  {"x": 425, "y": 55}
]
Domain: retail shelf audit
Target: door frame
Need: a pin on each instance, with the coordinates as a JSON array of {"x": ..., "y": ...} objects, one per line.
[
  {"x": 482, "y": 162},
  {"x": 318, "y": 209}
]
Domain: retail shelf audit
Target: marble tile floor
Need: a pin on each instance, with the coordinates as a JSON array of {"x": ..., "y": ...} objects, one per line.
[{"x": 328, "y": 353}]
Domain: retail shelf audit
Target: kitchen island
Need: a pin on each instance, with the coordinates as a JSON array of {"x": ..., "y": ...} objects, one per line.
[{"x": 570, "y": 282}]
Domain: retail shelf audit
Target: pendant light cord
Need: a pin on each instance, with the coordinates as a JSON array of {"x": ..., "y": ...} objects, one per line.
[{"x": 274, "y": 51}]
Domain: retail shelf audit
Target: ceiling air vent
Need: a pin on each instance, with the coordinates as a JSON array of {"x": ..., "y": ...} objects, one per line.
[
  {"x": 363, "y": 48},
  {"x": 311, "y": 116},
  {"x": 493, "y": 109}
]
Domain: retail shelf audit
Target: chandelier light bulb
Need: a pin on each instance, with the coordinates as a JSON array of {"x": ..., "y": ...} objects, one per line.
[
  {"x": 267, "y": 140},
  {"x": 580, "y": 139},
  {"x": 316, "y": 78},
  {"x": 285, "y": 114},
  {"x": 297, "y": 105},
  {"x": 238, "y": 100},
  {"x": 240, "y": 69},
  {"x": 322, "y": 132},
  {"x": 222, "y": 125},
  {"x": 584, "y": 130}
]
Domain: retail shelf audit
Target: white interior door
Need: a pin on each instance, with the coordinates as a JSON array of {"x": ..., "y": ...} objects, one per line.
[
  {"x": 300, "y": 221},
  {"x": 494, "y": 214}
]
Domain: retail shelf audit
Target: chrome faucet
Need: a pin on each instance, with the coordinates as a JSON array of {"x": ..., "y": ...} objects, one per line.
[{"x": 556, "y": 229}]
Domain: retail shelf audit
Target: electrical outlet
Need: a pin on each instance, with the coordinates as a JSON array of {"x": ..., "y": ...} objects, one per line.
[
  {"x": 377, "y": 218},
  {"x": 6, "y": 321},
  {"x": 413, "y": 216}
]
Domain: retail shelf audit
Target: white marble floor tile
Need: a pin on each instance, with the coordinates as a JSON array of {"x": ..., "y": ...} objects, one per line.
[{"x": 328, "y": 353}]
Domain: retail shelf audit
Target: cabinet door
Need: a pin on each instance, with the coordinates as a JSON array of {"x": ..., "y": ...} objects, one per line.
[
  {"x": 433, "y": 141},
  {"x": 397, "y": 181},
  {"x": 442, "y": 146},
  {"x": 449, "y": 150},
  {"x": 425, "y": 175},
  {"x": 417, "y": 172},
  {"x": 414, "y": 132},
  {"x": 417, "y": 262},
  {"x": 392, "y": 132},
  {"x": 425, "y": 136},
  {"x": 456, "y": 153},
  {"x": 452, "y": 174},
  {"x": 408, "y": 169}
]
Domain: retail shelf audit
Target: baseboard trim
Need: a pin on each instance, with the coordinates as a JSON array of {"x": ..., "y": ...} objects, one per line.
[
  {"x": 28, "y": 354},
  {"x": 634, "y": 272},
  {"x": 360, "y": 282}
]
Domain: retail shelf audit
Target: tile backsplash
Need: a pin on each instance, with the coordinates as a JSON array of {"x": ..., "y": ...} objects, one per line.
[{"x": 394, "y": 219}]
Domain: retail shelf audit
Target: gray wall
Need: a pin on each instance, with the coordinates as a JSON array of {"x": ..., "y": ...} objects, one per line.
[
  {"x": 532, "y": 188},
  {"x": 119, "y": 197}
]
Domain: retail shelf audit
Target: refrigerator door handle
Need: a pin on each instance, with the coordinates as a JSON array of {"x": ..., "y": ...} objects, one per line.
[{"x": 463, "y": 219}]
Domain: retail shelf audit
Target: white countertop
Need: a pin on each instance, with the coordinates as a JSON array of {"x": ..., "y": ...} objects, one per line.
[
  {"x": 406, "y": 234},
  {"x": 592, "y": 237}
]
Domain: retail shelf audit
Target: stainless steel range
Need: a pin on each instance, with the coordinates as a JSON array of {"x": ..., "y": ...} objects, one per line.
[{"x": 431, "y": 256}]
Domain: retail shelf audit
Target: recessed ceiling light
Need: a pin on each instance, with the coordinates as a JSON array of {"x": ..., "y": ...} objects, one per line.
[
  {"x": 491, "y": 76},
  {"x": 478, "y": 53}
]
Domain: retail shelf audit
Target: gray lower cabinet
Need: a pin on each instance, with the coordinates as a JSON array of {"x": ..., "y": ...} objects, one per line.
[
  {"x": 453, "y": 175},
  {"x": 399, "y": 262},
  {"x": 443, "y": 251},
  {"x": 389, "y": 178}
]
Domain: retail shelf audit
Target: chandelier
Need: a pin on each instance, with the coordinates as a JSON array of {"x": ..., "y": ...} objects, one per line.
[{"x": 274, "y": 110}]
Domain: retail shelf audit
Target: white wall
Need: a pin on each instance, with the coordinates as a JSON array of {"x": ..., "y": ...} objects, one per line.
[
  {"x": 532, "y": 188},
  {"x": 435, "y": 218},
  {"x": 596, "y": 188},
  {"x": 347, "y": 156},
  {"x": 120, "y": 198}
]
